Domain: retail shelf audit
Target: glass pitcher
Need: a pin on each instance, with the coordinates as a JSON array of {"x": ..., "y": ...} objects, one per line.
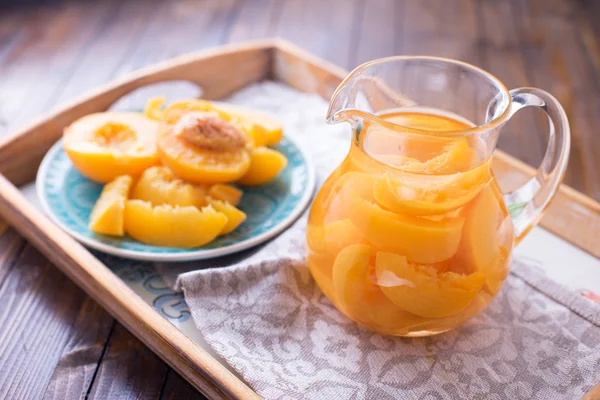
[{"x": 411, "y": 235}]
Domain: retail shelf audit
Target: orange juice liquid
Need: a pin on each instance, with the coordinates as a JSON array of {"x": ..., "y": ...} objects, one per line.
[{"x": 410, "y": 236}]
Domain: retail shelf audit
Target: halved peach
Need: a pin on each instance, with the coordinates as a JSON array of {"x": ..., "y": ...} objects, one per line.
[
  {"x": 265, "y": 165},
  {"x": 273, "y": 129},
  {"x": 419, "y": 239},
  {"x": 429, "y": 194},
  {"x": 103, "y": 146},
  {"x": 172, "y": 226},
  {"x": 488, "y": 237},
  {"x": 159, "y": 186},
  {"x": 107, "y": 216},
  {"x": 422, "y": 290},
  {"x": 235, "y": 217},
  {"x": 227, "y": 193},
  {"x": 198, "y": 165},
  {"x": 255, "y": 133}
]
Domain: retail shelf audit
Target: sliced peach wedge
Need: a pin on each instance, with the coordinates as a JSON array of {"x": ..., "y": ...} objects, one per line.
[
  {"x": 107, "y": 216},
  {"x": 105, "y": 145},
  {"x": 159, "y": 186},
  {"x": 429, "y": 194},
  {"x": 272, "y": 128},
  {"x": 361, "y": 299},
  {"x": 488, "y": 237},
  {"x": 235, "y": 217},
  {"x": 421, "y": 240},
  {"x": 227, "y": 193},
  {"x": 172, "y": 226},
  {"x": 331, "y": 238},
  {"x": 265, "y": 165},
  {"x": 423, "y": 291}
]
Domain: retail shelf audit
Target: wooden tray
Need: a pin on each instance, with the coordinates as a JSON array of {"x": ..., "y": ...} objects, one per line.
[{"x": 572, "y": 216}]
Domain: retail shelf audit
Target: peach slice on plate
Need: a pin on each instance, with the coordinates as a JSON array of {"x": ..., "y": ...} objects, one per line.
[
  {"x": 421, "y": 240},
  {"x": 172, "y": 226},
  {"x": 159, "y": 186},
  {"x": 227, "y": 193},
  {"x": 273, "y": 129},
  {"x": 235, "y": 217},
  {"x": 265, "y": 165},
  {"x": 423, "y": 291},
  {"x": 103, "y": 146},
  {"x": 107, "y": 216}
]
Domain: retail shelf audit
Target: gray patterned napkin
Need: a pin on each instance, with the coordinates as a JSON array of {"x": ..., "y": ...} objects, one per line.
[{"x": 269, "y": 320}]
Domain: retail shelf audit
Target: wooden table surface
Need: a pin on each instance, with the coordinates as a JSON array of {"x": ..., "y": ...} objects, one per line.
[{"x": 55, "y": 342}]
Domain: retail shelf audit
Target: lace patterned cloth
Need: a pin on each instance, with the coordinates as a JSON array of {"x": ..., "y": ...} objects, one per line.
[{"x": 269, "y": 320}]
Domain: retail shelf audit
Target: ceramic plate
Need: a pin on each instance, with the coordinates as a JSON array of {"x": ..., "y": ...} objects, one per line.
[{"x": 68, "y": 198}]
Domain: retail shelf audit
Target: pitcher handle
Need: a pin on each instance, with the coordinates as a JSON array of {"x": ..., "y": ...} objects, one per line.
[{"x": 527, "y": 203}]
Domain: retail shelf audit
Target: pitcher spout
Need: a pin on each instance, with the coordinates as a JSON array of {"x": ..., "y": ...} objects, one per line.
[{"x": 363, "y": 95}]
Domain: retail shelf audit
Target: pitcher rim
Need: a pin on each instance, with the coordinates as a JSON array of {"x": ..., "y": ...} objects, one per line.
[{"x": 479, "y": 129}]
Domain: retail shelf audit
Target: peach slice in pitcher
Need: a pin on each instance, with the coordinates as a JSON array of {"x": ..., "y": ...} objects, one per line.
[
  {"x": 456, "y": 155},
  {"x": 172, "y": 226},
  {"x": 107, "y": 216},
  {"x": 103, "y": 146},
  {"x": 421, "y": 240},
  {"x": 361, "y": 298},
  {"x": 331, "y": 238},
  {"x": 487, "y": 237},
  {"x": 429, "y": 194},
  {"x": 423, "y": 291},
  {"x": 202, "y": 148},
  {"x": 321, "y": 267},
  {"x": 265, "y": 165}
]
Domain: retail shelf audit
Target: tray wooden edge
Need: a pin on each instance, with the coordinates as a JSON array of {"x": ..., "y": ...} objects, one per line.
[{"x": 572, "y": 215}]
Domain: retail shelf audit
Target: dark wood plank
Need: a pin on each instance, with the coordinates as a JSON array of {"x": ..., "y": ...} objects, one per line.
[
  {"x": 440, "y": 28},
  {"x": 128, "y": 370},
  {"x": 56, "y": 38},
  {"x": 559, "y": 63},
  {"x": 379, "y": 31},
  {"x": 324, "y": 28},
  {"x": 177, "y": 388},
  {"x": 104, "y": 57},
  {"x": 79, "y": 359},
  {"x": 11, "y": 245},
  {"x": 500, "y": 53},
  {"x": 255, "y": 19},
  {"x": 178, "y": 27},
  {"x": 37, "y": 323}
]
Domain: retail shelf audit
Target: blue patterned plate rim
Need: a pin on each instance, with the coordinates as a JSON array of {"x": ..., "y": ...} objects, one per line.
[{"x": 176, "y": 255}]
